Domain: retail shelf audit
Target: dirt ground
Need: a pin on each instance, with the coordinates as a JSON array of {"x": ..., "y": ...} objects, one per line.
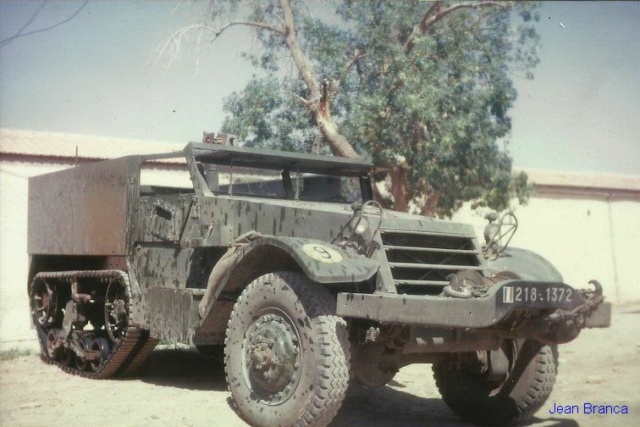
[{"x": 182, "y": 388}]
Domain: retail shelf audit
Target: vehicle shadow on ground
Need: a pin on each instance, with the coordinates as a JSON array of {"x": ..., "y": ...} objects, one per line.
[
  {"x": 380, "y": 407},
  {"x": 389, "y": 407},
  {"x": 181, "y": 368},
  {"x": 386, "y": 406}
]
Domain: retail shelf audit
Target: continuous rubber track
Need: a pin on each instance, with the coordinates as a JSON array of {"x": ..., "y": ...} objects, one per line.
[{"x": 128, "y": 352}]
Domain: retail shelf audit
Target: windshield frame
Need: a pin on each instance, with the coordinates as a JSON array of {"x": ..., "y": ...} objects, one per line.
[{"x": 198, "y": 155}]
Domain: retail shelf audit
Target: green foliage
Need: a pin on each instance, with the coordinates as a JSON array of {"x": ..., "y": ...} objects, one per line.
[
  {"x": 265, "y": 114},
  {"x": 435, "y": 103}
]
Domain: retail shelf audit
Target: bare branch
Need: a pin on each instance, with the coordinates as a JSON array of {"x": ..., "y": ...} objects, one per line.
[
  {"x": 29, "y": 21},
  {"x": 259, "y": 25},
  {"x": 353, "y": 61},
  {"x": 172, "y": 45},
  {"x": 20, "y": 33},
  {"x": 436, "y": 13},
  {"x": 302, "y": 100}
]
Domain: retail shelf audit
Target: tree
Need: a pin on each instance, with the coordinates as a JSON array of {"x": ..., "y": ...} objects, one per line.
[{"x": 423, "y": 89}]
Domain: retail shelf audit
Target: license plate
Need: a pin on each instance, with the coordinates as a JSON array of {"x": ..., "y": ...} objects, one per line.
[{"x": 537, "y": 294}]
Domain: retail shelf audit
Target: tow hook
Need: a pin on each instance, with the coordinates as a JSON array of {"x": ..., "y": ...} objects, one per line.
[
  {"x": 562, "y": 326},
  {"x": 592, "y": 300}
]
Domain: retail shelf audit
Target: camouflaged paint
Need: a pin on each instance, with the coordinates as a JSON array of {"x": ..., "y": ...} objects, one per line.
[{"x": 169, "y": 243}]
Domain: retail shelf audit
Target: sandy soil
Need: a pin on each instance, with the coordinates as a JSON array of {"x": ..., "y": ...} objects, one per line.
[{"x": 183, "y": 388}]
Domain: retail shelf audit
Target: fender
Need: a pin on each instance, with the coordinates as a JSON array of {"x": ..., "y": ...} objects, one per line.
[
  {"x": 526, "y": 264},
  {"x": 320, "y": 261}
]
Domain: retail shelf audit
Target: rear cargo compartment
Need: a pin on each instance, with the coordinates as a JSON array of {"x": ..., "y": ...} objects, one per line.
[{"x": 81, "y": 211}]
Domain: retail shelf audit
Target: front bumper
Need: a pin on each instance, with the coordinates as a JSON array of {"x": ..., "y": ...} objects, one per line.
[{"x": 556, "y": 303}]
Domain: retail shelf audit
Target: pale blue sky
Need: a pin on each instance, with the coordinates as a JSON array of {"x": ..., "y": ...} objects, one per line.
[{"x": 96, "y": 74}]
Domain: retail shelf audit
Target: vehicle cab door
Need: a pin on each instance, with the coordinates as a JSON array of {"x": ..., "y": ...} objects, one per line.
[{"x": 167, "y": 217}]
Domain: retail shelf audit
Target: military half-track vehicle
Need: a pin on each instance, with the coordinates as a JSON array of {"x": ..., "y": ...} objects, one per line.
[{"x": 287, "y": 262}]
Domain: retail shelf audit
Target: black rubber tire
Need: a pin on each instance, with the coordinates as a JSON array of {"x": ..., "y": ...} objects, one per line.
[
  {"x": 323, "y": 352},
  {"x": 524, "y": 391}
]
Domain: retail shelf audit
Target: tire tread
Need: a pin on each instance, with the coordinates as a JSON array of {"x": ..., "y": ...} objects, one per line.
[
  {"x": 460, "y": 392},
  {"x": 330, "y": 340}
]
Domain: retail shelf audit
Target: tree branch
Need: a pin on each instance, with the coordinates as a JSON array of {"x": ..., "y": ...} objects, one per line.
[
  {"x": 348, "y": 65},
  {"x": 436, "y": 13},
  {"x": 171, "y": 46},
  {"x": 20, "y": 33},
  {"x": 302, "y": 100},
  {"x": 259, "y": 25},
  {"x": 302, "y": 63}
]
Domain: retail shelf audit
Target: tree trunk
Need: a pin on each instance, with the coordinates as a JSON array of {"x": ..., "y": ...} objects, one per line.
[
  {"x": 399, "y": 188},
  {"x": 430, "y": 207},
  {"x": 319, "y": 103},
  {"x": 339, "y": 144}
]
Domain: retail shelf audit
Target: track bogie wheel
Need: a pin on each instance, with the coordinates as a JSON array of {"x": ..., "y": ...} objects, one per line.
[
  {"x": 85, "y": 343},
  {"x": 116, "y": 310},
  {"x": 43, "y": 303},
  {"x": 67, "y": 357},
  {"x": 54, "y": 347},
  {"x": 101, "y": 345}
]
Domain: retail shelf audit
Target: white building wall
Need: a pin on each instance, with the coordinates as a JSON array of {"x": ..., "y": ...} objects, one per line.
[
  {"x": 573, "y": 234},
  {"x": 15, "y": 326},
  {"x": 626, "y": 238},
  {"x": 585, "y": 238}
]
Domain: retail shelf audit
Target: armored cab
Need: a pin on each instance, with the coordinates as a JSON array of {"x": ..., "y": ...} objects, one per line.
[{"x": 287, "y": 262}]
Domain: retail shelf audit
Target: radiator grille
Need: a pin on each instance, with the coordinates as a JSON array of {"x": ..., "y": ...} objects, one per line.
[{"x": 421, "y": 261}]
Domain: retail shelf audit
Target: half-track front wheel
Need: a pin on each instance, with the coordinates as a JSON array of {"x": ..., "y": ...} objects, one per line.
[
  {"x": 481, "y": 398},
  {"x": 287, "y": 353}
]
